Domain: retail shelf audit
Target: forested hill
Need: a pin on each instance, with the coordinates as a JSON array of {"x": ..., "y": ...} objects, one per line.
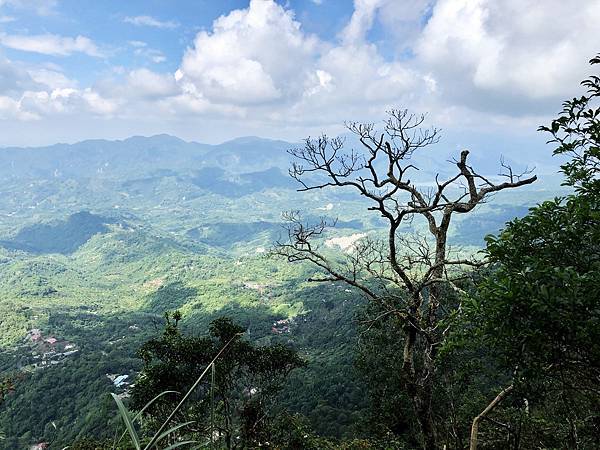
[{"x": 99, "y": 239}]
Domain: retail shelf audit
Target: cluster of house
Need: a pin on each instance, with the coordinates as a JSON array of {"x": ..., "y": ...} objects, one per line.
[
  {"x": 118, "y": 380},
  {"x": 282, "y": 326},
  {"x": 46, "y": 351},
  {"x": 122, "y": 382}
]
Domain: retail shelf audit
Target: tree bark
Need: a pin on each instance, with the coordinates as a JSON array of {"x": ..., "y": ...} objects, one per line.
[
  {"x": 425, "y": 415},
  {"x": 482, "y": 414},
  {"x": 419, "y": 386}
]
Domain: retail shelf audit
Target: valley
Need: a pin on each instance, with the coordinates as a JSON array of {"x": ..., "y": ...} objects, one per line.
[{"x": 92, "y": 254}]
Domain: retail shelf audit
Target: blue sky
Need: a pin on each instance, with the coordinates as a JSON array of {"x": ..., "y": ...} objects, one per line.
[{"x": 211, "y": 70}]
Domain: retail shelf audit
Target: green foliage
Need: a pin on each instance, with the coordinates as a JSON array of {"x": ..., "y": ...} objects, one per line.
[
  {"x": 62, "y": 237},
  {"x": 293, "y": 432},
  {"x": 538, "y": 306},
  {"x": 246, "y": 380},
  {"x": 91, "y": 444},
  {"x": 6, "y": 386},
  {"x": 547, "y": 283},
  {"x": 577, "y": 133}
]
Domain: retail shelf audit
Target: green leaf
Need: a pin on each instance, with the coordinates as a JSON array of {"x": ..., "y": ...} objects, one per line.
[
  {"x": 172, "y": 430},
  {"x": 146, "y": 406},
  {"x": 135, "y": 440},
  {"x": 180, "y": 444}
]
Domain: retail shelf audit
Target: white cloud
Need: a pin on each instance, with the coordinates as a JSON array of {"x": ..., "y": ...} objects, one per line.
[
  {"x": 469, "y": 62},
  {"x": 401, "y": 19},
  {"x": 252, "y": 56},
  {"x": 98, "y": 104},
  {"x": 157, "y": 57},
  {"x": 7, "y": 19},
  {"x": 259, "y": 59},
  {"x": 32, "y": 93},
  {"x": 137, "y": 44},
  {"x": 141, "y": 48},
  {"x": 361, "y": 20},
  {"x": 14, "y": 79},
  {"x": 9, "y": 109},
  {"x": 51, "y": 78},
  {"x": 511, "y": 55},
  {"x": 41, "y": 7},
  {"x": 50, "y": 44},
  {"x": 147, "y": 84},
  {"x": 67, "y": 101},
  {"x": 149, "y": 21}
]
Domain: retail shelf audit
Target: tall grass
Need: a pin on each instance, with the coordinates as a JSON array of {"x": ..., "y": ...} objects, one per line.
[{"x": 162, "y": 433}]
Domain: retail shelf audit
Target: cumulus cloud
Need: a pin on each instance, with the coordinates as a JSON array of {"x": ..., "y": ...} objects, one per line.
[
  {"x": 261, "y": 61},
  {"x": 41, "y": 7},
  {"x": 464, "y": 60},
  {"x": 32, "y": 93},
  {"x": 252, "y": 56},
  {"x": 149, "y": 21},
  {"x": 50, "y": 44},
  {"x": 66, "y": 101},
  {"x": 509, "y": 56}
]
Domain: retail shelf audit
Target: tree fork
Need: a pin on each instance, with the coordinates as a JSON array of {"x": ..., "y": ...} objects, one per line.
[
  {"x": 485, "y": 412},
  {"x": 396, "y": 275}
]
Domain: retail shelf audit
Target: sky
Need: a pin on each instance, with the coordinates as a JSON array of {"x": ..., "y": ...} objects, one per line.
[{"x": 209, "y": 71}]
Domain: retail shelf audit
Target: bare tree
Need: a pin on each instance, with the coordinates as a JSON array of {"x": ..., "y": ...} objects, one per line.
[{"x": 407, "y": 275}]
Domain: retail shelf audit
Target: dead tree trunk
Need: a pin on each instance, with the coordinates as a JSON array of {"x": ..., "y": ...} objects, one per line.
[{"x": 405, "y": 275}]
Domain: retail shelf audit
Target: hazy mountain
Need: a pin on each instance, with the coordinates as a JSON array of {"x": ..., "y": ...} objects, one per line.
[{"x": 136, "y": 156}]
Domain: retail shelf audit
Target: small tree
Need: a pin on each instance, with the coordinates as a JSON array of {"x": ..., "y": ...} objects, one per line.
[
  {"x": 406, "y": 275},
  {"x": 235, "y": 401}
]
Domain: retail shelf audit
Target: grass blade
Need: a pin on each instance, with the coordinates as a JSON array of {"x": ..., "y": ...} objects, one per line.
[
  {"x": 128, "y": 423},
  {"x": 147, "y": 405},
  {"x": 180, "y": 444},
  {"x": 172, "y": 430},
  {"x": 141, "y": 411},
  {"x": 188, "y": 393}
]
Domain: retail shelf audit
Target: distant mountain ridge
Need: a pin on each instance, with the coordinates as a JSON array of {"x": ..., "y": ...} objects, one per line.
[
  {"x": 140, "y": 155},
  {"x": 165, "y": 155}
]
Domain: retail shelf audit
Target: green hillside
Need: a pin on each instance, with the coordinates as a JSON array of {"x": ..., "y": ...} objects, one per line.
[{"x": 93, "y": 256}]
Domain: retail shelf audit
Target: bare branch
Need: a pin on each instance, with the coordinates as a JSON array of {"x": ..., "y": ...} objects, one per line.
[{"x": 404, "y": 275}]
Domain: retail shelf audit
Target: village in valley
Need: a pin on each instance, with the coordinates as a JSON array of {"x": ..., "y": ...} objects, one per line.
[{"x": 39, "y": 351}]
